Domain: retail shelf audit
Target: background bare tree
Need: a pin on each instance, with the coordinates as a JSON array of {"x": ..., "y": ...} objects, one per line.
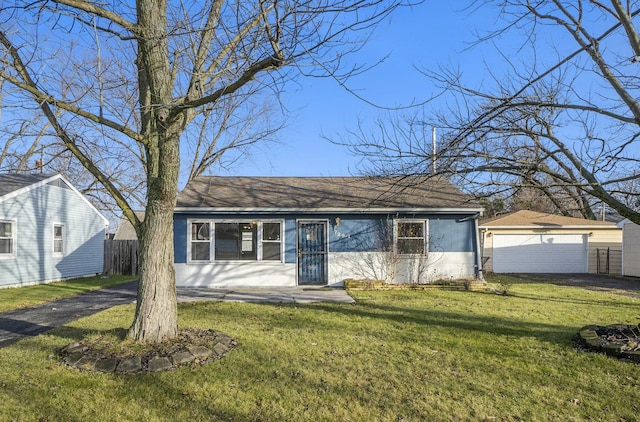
[
  {"x": 133, "y": 79},
  {"x": 557, "y": 121}
]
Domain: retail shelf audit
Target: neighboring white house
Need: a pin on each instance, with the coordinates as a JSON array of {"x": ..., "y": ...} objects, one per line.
[
  {"x": 630, "y": 248},
  {"x": 48, "y": 231},
  {"x": 535, "y": 242}
]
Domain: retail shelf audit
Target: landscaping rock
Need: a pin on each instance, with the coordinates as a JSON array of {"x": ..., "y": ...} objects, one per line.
[
  {"x": 73, "y": 358},
  {"x": 130, "y": 366},
  {"x": 617, "y": 340},
  {"x": 220, "y": 349},
  {"x": 225, "y": 339},
  {"x": 86, "y": 362},
  {"x": 199, "y": 352},
  {"x": 182, "y": 357},
  {"x": 192, "y": 347},
  {"x": 157, "y": 364},
  {"x": 106, "y": 365},
  {"x": 74, "y": 348}
]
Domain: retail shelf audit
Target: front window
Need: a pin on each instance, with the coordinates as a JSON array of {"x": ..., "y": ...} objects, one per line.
[
  {"x": 58, "y": 239},
  {"x": 7, "y": 238},
  {"x": 235, "y": 241},
  {"x": 200, "y": 242},
  {"x": 410, "y": 237},
  {"x": 271, "y": 244}
]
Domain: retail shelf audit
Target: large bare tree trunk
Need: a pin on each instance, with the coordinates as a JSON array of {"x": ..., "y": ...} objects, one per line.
[{"x": 156, "y": 317}]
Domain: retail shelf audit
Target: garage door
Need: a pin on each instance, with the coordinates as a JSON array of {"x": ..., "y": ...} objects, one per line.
[{"x": 540, "y": 253}]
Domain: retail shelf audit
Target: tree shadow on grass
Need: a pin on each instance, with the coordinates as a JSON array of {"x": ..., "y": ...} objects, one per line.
[
  {"x": 624, "y": 286},
  {"x": 576, "y": 301},
  {"x": 14, "y": 330},
  {"x": 69, "y": 334},
  {"x": 465, "y": 322}
]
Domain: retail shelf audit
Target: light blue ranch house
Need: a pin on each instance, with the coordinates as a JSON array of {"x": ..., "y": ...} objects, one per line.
[
  {"x": 290, "y": 231},
  {"x": 48, "y": 231}
]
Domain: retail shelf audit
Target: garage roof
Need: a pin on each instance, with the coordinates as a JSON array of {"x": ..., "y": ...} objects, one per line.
[{"x": 534, "y": 219}]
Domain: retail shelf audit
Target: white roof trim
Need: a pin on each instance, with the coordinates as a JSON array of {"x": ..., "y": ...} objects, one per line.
[
  {"x": 550, "y": 227},
  {"x": 624, "y": 222},
  {"x": 48, "y": 180},
  {"x": 327, "y": 210}
]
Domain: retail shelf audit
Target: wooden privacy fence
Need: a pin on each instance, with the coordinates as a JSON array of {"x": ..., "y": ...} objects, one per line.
[{"x": 121, "y": 257}]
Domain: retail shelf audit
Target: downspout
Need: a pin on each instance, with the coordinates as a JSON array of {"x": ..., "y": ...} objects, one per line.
[
  {"x": 622, "y": 252},
  {"x": 479, "y": 269}
]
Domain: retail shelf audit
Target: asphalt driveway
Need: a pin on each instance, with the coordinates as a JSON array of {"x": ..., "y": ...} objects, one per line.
[
  {"x": 27, "y": 322},
  {"x": 627, "y": 286}
]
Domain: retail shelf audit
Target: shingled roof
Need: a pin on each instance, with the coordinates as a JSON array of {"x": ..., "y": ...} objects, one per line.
[
  {"x": 535, "y": 219},
  {"x": 125, "y": 230},
  {"x": 13, "y": 182},
  {"x": 322, "y": 193}
]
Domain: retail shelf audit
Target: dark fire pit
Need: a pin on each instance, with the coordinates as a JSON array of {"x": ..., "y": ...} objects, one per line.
[{"x": 618, "y": 340}]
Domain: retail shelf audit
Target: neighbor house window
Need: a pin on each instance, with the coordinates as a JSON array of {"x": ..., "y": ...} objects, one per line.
[
  {"x": 271, "y": 244},
  {"x": 58, "y": 239},
  {"x": 235, "y": 241},
  {"x": 7, "y": 238},
  {"x": 410, "y": 237},
  {"x": 200, "y": 241}
]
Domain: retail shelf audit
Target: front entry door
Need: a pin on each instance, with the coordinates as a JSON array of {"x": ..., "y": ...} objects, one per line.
[{"x": 312, "y": 252}]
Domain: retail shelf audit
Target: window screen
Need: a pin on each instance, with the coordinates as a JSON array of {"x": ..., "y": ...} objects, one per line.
[{"x": 411, "y": 237}]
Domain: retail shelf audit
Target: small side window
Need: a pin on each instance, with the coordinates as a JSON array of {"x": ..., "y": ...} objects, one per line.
[
  {"x": 7, "y": 238},
  {"x": 58, "y": 239}
]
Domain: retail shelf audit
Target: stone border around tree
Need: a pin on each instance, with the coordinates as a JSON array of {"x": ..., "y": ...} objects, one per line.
[
  {"x": 85, "y": 358},
  {"x": 589, "y": 338}
]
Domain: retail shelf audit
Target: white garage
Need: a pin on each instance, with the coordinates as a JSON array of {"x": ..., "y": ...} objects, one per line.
[
  {"x": 630, "y": 248},
  {"x": 540, "y": 253},
  {"x": 535, "y": 242}
]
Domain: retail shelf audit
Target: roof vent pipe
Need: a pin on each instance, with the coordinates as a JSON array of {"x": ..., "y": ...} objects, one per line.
[{"x": 433, "y": 157}]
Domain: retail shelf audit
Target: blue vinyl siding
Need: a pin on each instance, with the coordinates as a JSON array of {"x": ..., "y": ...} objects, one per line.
[
  {"x": 358, "y": 234},
  {"x": 451, "y": 235},
  {"x": 180, "y": 239},
  {"x": 290, "y": 241},
  {"x": 35, "y": 212},
  {"x": 347, "y": 233}
]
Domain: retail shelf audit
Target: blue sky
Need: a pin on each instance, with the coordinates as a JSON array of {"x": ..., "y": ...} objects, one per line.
[{"x": 425, "y": 36}]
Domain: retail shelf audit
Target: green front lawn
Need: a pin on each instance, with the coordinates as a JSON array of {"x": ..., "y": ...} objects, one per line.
[
  {"x": 22, "y": 297},
  {"x": 406, "y": 355}
]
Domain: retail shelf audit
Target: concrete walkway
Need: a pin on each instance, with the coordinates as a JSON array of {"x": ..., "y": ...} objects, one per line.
[
  {"x": 28, "y": 322},
  {"x": 265, "y": 294}
]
